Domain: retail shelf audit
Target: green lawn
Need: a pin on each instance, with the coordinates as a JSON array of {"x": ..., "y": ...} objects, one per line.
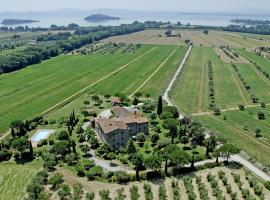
[
  {"x": 14, "y": 179},
  {"x": 30, "y": 91},
  {"x": 129, "y": 79}
]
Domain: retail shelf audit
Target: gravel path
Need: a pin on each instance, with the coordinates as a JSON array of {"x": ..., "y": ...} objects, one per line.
[{"x": 166, "y": 94}]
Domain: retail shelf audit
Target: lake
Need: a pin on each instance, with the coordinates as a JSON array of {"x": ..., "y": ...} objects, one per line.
[{"x": 65, "y": 18}]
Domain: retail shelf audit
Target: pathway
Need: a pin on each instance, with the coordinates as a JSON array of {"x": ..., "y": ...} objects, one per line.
[{"x": 166, "y": 94}]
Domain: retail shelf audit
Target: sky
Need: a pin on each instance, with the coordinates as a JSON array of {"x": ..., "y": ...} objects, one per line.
[{"x": 156, "y": 5}]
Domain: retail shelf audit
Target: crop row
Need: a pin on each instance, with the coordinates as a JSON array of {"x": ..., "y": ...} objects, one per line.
[
  {"x": 211, "y": 91},
  {"x": 216, "y": 191}
]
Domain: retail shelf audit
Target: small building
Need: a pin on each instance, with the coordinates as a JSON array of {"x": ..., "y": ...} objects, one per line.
[
  {"x": 116, "y": 101},
  {"x": 119, "y": 129}
]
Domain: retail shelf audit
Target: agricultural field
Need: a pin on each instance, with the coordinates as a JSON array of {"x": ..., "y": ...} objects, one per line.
[
  {"x": 53, "y": 81},
  {"x": 61, "y": 77},
  {"x": 14, "y": 179},
  {"x": 147, "y": 37},
  {"x": 190, "y": 93},
  {"x": 228, "y": 182},
  {"x": 239, "y": 127}
]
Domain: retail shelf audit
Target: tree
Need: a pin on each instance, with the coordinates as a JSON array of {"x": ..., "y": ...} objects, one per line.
[
  {"x": 20, "y": 144},
  {"x": 107, "y": 96},
  {"x": 217, "y": 111},
  {"x": 229, "y": 149},
  {"x": 111, "y": 156},
  {"x": 159, "y": 106},
  {"x": 49, "y": 160},
  {"x": 131, "y": 149},
  {"x": 147, "y": 95},
  {"x": 55, "y": 180},
  {"x": 261, "y": 116},
  {"x": 172, "y": 126},
  {"x": 138, "y": 95},
  {"x": 210, "y": 144},
  {"x": 31, "y": 149},
  {"x": 154, "y": 138},
  {"x": 63, "y": 135},
  {"x": 86, "y": 103},
  {"x": 153, "y": 162},
  {"x": 258, "y": 133},
  {"x": 95, "y": 98},
  {"x": 135, "y": 101},
  {"x": 173, "y": 110},
  {"x": 64, "y": 192},
  {"x": 137, "y": 161},
  {"x": 177, "y": 155},
  {"x": 241, "y": 107},
  {"x": 141, "y": 137}
]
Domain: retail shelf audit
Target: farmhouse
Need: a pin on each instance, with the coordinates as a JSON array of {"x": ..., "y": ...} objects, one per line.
[{"x": 119, "y": 129}]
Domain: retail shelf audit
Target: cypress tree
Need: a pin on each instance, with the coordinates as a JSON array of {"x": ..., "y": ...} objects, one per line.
[
  {"x": 160, "y": 106},
  {"x": 31, "y": 149},
  {"x": 12, "y": 132}
]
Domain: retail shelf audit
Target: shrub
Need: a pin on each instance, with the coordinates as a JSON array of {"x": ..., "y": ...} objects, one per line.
[
  {"x": 121, "y": 176},
  {"x": 241, "y": 107},
  {"x": 94, "y": 172},
  {"x": 90, "y": 196},
  {"x": 162, "y": 193},
  {"x": 51, "y": 142},
  {"x": 267, "y": 185},
  {"x": 55, "y": 180},
  {"x": 217, "y": 111},
  {"x": 104, "y": 194},
  {"x": 120, "y": 194},
  {"x": 261, "y": 116},
  {"x": 148, "y": 191},
  {"x": 134, "y": 193}
]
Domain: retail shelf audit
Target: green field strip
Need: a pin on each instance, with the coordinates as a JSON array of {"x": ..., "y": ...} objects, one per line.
[
  {"x": 263, "y": 63},
  {"x": 258, "y": 86},
  {"x": 185, "y": 94},
  {"x": 226, "y": 91},
  {"x": 243, "y": 119},
  {"x": 65, "y": 76},
  {"x": 239, "y": 138},
  {"x": 129, "y": 79},
  {"x": 158, "y": 83},
  {"x": 242, "y": 91}
]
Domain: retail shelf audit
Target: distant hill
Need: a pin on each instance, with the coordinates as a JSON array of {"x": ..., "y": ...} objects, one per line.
[
  {"x": 17, "y": 21},
  {"x": 100, "y": 17}
]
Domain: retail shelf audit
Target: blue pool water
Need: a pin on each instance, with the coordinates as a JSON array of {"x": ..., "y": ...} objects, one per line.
[{"x": 41, "y": 135}]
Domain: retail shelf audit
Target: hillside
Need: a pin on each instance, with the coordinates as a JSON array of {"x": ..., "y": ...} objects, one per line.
[
  {"x": 17, "y": 21},
  {"x": 100, "y": 17}
]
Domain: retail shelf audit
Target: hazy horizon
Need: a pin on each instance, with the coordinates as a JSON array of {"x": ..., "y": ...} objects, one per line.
[{"x": 240, "y": 6}]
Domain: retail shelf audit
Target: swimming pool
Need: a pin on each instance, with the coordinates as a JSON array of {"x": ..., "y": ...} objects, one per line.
[{"x": 41, "y": 135}]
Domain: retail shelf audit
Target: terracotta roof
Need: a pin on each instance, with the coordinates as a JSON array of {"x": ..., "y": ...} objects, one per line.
[
  {"x": 121, "y": 112},
  {"x": 109, "y": 125},
  {"x": 115, "y": 100}
]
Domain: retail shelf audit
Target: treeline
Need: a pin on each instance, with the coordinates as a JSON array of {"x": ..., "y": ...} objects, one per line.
[
  {"x": 251, "y": 22},
  {"x": 258, "y": 29},
  {"x": 54, "y": 37},
  {"x": 19, "y": 59}
]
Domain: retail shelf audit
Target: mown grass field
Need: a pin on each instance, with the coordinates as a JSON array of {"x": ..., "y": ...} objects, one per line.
[
  {"x": 30, "y": 91},
  {"x": 259, "y": 85},
  {"x": 14, "y": 179},
  {"x": 191, "y": 90}
]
